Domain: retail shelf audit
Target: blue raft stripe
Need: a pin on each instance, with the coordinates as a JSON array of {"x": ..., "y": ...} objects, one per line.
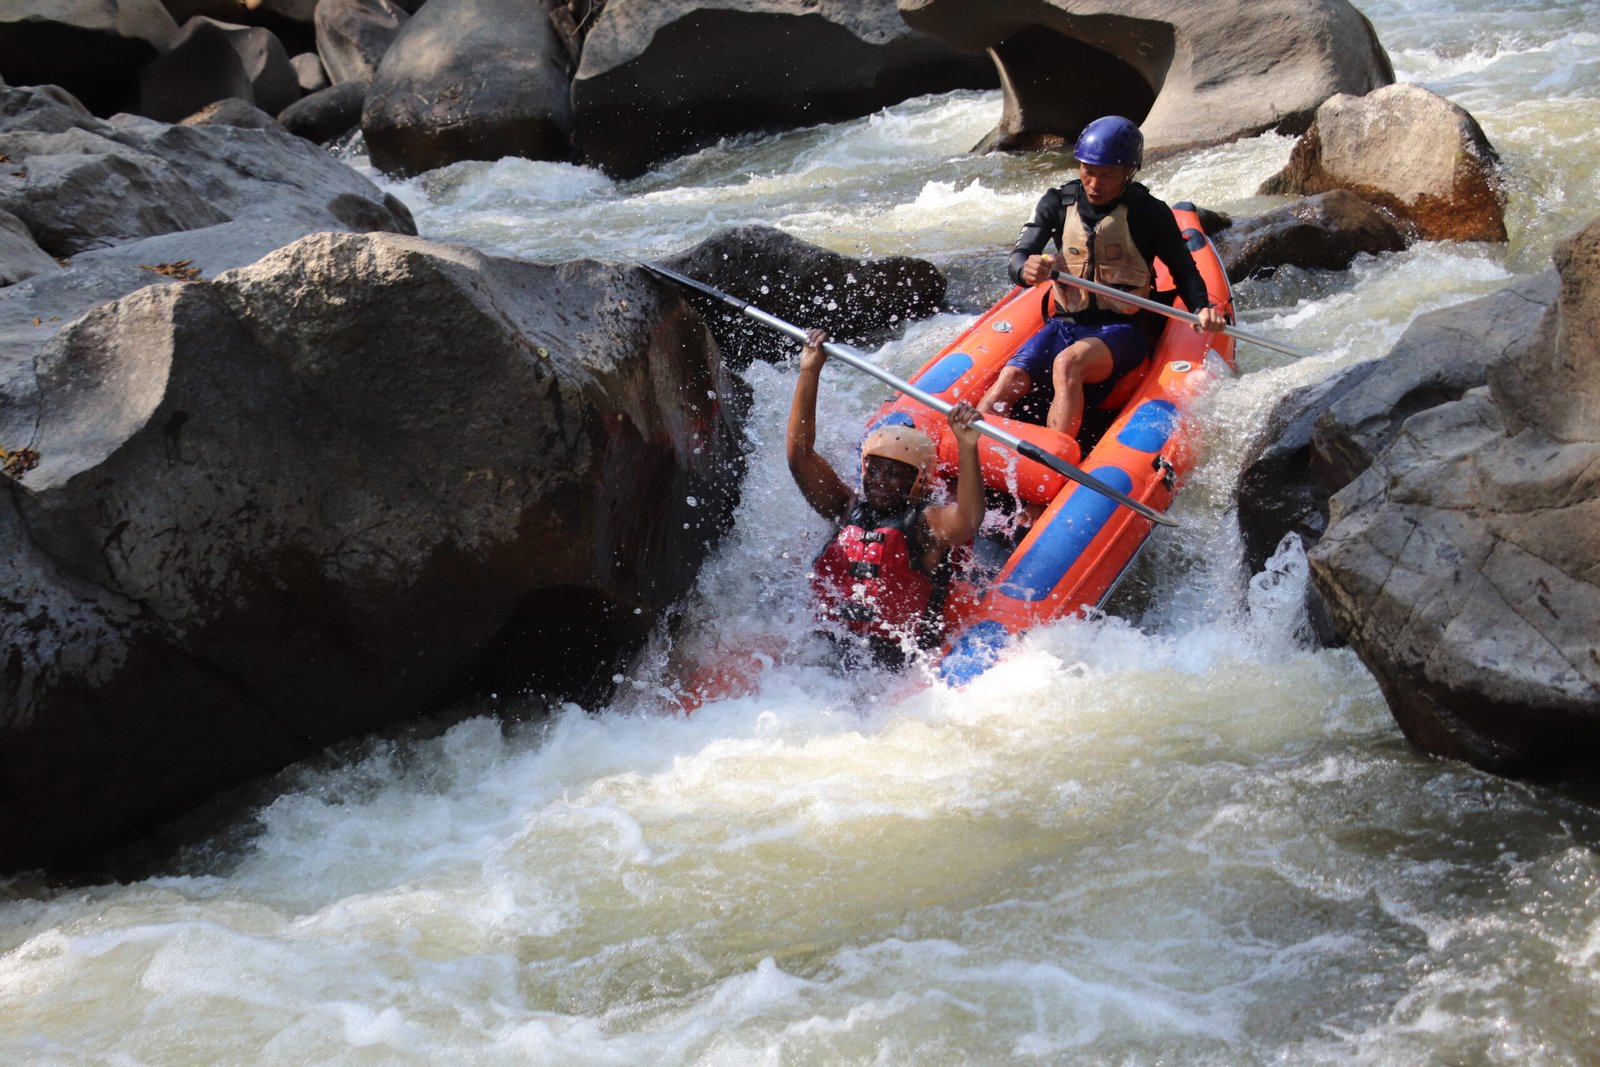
[
  {"x": 943, "y": 374},
  {"x": 894, "y": 418},
  {"x": 1063, "y": 541},
  {"x": 972, "y": 653},
  {"x": 1151, "y": 426}
]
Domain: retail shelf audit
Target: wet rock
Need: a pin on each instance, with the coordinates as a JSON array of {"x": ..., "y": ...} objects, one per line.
[
  {"x": 1281, "y": 487},
  {"x": 853, "y": 299},
  {"x": 660, "y": 78},
  {"x": 353, "y": 35},
  {"x": 1190, "y": 75},
  {"x": 1409, "y": 151},
  {"x": 469, "y": 79},
  {"x": 1320, "y": 438},
  {"x": 1461, "y": 564},
  {"x": 1323, "y": 232},
  {"x": 20, "y": 255},
  {"x": 211, "y": 61},
  {"x": 317, "y": 495},
  {"x": 327, "y": 115},
  {"x": 1441, "y": 356},
  {"x": 92, "y": 48}
]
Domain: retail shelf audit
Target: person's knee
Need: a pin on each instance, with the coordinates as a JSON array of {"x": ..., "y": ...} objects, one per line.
[
  {"x": 1070, "y": 363},
  {"x": 1081, "y": 362}
]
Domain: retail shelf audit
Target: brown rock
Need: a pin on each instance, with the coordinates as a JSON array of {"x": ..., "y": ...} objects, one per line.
[{"x": 1411, "y": 152}]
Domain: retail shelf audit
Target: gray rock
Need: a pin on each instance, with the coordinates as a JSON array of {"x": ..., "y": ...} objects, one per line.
[
  {"x": 206, "y": 197},
  {"x": 84, "y": 189},
  {"x": 1411, "y": 152},
  {"x": 1323, "y": 232},
  {"x": 1190, "y": 75},
  {"x": 1461, "y": 564},
  {"x": 853, "y": 299},
  {"x": 92, "y": 48},
  {"x": 20, "y": 255},
  {"x": 660, "y": 78},
  {"x": 322, "y": 494},
  {"x": 353, "y": 35},
  {"x": 469, "y": 79},
  {"x": 211, "y": 61},
  {"x": 1438, "y": 359}
]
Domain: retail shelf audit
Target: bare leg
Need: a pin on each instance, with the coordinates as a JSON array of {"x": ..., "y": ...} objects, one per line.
[
  {"x": 1012, "y": 385},
  {"x": 1080, "y": 363}
]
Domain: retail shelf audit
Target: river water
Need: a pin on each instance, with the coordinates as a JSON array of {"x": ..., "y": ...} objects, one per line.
[{"x": 1170, "y": 835}]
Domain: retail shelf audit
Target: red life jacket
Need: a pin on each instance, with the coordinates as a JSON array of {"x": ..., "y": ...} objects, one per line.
[{"x": 865, "y": 578}]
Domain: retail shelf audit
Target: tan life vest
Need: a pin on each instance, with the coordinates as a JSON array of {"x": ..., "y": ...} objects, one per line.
[{"x": 1109, "y": 253}]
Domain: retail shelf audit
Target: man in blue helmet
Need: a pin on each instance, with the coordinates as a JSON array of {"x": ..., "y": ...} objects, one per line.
[{"x": 1108, "y": 228}]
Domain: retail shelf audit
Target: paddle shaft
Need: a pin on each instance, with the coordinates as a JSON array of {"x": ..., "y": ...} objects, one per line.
[
  {"x": 1173, "y": 313},
  {"x": 850, "y": 356}
]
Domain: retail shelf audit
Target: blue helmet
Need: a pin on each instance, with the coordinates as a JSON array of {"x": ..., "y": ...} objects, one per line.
[{"x": 1111, "y": 141}]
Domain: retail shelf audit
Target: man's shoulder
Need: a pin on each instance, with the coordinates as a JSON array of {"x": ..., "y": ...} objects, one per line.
[
  {"x": 1065, "y": 193},
  {"x": 1139, "y": 194}
]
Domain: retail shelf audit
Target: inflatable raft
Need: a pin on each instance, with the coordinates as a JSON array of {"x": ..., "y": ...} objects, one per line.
[
  {"x": 1070, "y": 557},
  {"x": 1051, "y": 546}
]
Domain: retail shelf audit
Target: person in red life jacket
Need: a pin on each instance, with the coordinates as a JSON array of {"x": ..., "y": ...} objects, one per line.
[
  {"x": 1106, "y": 228},
  {"x": 881, "y": 576}
]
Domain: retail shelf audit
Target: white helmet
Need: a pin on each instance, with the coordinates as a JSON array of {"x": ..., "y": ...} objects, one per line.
[{"x": 905, "y": 444}]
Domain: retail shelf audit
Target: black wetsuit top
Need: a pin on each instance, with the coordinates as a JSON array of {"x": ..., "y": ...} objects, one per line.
[{"x": 1151, "y": 224}]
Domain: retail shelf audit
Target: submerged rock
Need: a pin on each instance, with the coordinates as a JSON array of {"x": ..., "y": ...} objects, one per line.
[{"x": 328, "y": 492}]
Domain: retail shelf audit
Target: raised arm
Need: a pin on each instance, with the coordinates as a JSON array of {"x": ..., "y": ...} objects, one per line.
[
  {"x": 819, "y": 483},
  {"x": 957, "y": 523}
]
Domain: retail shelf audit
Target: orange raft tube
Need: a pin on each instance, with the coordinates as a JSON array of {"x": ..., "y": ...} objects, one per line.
[{"x": 1082, "y": 542}]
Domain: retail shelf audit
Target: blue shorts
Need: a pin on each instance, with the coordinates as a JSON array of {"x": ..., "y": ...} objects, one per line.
[{"x": 1126, "y": 340}]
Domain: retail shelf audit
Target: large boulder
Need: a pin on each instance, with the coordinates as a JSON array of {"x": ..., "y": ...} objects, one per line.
[
  {"x": 853, "y": 299},
  {"x": 1320, "y": 438},
  {"x": 660, "y": 78},
  {"x": 188, "y": 200},
  {"x": 353, "y": 35},
  {"x": 1323, "y": 232},
  {"x": 327, "y": 492},
  {"x": 469, "y": 79},
  {"x": 1461, "y": 565},
  {"x": 1190, "y": 75},
  {"x": 211, "y": 61},
  {"x": 1411, "y": 152},
  {"x": 92, "y": 48}
]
